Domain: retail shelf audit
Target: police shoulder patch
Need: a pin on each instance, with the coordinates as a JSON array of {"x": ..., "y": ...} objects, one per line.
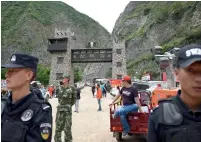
[{"x": 45, "y": 130}]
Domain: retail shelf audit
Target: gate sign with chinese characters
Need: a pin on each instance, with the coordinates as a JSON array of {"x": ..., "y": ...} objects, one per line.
[{"x": 91, "y": 55}]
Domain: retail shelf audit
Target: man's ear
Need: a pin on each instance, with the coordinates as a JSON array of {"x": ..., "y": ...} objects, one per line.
[
  {"x": 29, "y": 75},
  {"x": 176, "y": 72}
]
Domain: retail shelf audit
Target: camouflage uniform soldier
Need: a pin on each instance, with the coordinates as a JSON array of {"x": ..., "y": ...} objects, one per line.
[{"x": 66, "y": 99}]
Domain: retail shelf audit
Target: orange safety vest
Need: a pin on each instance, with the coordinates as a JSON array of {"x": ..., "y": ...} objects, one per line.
[{"x": 99, "y": 93}]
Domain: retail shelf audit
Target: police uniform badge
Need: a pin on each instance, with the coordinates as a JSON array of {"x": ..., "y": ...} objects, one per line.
[
  {"x": 45, "y": 129},
  {"x": 27, "y": 115}
]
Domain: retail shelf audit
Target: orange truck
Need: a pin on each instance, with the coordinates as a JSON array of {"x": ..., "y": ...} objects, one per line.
[{"x": 159, "y": 94}]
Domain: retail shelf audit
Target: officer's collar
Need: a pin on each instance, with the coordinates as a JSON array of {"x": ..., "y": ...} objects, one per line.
[
  {"x": 19, "y": 102},
  {"x": 181, "y": 102}
]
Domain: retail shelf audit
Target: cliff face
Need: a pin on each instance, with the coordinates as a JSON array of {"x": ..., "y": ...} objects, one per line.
[
  {"x": 26, "y": 26},
  {"x": 146, "y": 24}
]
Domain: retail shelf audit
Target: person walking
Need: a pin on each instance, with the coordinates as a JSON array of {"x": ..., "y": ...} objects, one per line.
[
  {"x": 66, "y": 99},
  {"x": 78, "y": 91},
  {"x": 25, "y": 117},
  {"x": 93, "y": 90},
  {"x": 50, "y": 89},
  {"x": 102, "y": 86},
  {"x": 99, "y": 96},
  {"x": 105, "y": 90},
  {"x": 43, "y": 90}
]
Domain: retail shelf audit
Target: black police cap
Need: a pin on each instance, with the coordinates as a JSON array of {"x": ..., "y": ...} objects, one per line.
[
  {"x": 22, "y": 61},
  {"x": 188, "y": 55}
]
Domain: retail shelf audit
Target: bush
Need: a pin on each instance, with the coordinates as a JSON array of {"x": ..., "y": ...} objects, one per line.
[
  {"x": 43, "y": 74},
  {"x": 140, "y": 32},
  {"x": 77, "y": 75},
  {"x": 3, "y": 72},
  {"x": 146, "y": 11}
]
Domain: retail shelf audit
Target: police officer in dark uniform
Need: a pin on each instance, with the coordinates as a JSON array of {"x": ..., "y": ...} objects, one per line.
[
  {"x": 178, "y": 119},
  {"x": 25, "y": 117}
]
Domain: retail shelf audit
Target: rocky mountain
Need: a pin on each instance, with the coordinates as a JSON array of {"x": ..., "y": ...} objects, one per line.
[
  {"x": 26, "y": 27},
  {"x": 144, "y": 25}
]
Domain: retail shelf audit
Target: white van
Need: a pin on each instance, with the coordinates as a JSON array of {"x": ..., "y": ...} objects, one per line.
[{"x": 153, "y": 85}]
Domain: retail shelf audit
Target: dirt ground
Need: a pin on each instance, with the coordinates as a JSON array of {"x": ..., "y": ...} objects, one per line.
[{"x": 89, "y": 125}]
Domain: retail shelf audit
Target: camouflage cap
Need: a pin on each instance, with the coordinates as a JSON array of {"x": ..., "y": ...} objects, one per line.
[{"x": 66, "y": 76}]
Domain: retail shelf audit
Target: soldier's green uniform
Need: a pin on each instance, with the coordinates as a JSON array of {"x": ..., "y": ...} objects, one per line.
[{"x": 66, "y": 99}]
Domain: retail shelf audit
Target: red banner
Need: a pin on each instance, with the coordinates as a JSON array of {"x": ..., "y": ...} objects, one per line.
[
  {"x": 164, "y": 76},
  {"x": 115, "y": 82}
]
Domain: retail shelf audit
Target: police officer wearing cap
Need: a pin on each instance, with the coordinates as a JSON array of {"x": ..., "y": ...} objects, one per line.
[
  {"x": 25, "y": 117},
  {"x": 179, "y": 118}
]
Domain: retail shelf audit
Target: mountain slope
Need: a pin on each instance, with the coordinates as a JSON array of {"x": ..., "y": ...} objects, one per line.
[
  {"x": 144, "y": 25},
  {"x": 26, "y": 26}
]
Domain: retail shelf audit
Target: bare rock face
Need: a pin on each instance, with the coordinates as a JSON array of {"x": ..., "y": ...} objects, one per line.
[
  {"x": 26, "y": 27},
  {"x": 144, "y": 25}
]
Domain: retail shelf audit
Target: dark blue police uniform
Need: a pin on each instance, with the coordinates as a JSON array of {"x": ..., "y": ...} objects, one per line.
[
  {"x": 30, "y": 118},
  {"x": 172, "y": 120}
]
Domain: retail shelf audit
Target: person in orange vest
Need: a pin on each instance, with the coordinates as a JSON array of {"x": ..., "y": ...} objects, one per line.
[
  {"x": 99, "y": 96},
  {"x": 50, "y": 89}
]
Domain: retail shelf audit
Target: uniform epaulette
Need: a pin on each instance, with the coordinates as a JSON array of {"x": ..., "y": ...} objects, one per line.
[
  {"x": 160, "y": 102},
  {"x": 46, "y": 105}
]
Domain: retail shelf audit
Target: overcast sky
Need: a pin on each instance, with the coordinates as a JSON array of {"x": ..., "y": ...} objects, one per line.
[{"x": 105, "y": 12}]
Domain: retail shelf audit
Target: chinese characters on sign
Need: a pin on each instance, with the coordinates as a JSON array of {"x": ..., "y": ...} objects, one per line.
[{"x": 91, "y": 56}]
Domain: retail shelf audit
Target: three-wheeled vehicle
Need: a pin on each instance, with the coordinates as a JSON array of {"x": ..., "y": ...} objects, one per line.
[{"x": 138, "y": 121}]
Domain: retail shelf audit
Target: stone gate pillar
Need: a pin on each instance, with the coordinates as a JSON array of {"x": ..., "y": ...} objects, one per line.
[
  {"x": 119, "y": 68},
  {"x": 60, "y": 48}
]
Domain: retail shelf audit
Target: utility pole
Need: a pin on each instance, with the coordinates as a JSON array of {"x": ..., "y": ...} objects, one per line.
[
  {"x": 169, "y": 69},
  {"x": 168, "y": 57}
]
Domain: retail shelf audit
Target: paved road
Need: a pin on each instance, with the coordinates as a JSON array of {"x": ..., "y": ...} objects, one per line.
[{"x": 89, "y": 125}]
